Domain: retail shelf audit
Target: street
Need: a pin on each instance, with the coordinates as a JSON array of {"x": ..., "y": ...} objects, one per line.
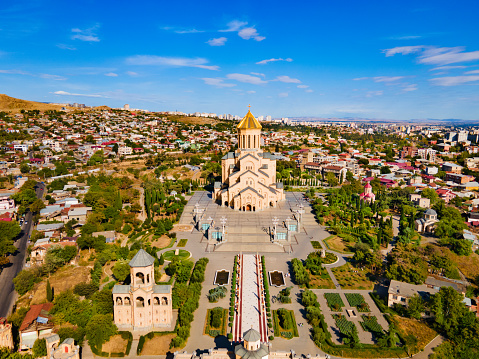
[{"x": 7, "y": 290}]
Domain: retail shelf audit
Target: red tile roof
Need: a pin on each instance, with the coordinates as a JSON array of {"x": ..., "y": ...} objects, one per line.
[{"x": 34, "y": 312}]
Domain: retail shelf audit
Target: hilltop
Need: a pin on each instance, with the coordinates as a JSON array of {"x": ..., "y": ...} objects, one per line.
[{"x": 11, "y": 104}]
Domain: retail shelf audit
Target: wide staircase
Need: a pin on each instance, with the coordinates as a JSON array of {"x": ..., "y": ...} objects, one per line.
[{"x": 248, "y": 239}]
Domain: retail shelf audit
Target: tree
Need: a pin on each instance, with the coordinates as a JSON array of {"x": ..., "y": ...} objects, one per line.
[
  {"x": 415, "y": 307},
  {"x": 431, "y": 194},
  {"x": 24, "y": 281},
  {"x": 331, "y": 179},
  {"x": 49, "y": 291},
  {"x": 37, "y": 206},
  {"x": 39, "y": 348},
  {"x": 100, "y": 329},
  {"x": 24, "y": 168},
  {"x": 121, "y": 270}
]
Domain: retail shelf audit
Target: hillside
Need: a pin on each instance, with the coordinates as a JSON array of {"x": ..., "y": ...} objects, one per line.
[{"x": 11, "y": 104}]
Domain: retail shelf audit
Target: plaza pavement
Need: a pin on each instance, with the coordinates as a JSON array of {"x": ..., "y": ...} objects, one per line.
[{"x": 275, "y": 260}]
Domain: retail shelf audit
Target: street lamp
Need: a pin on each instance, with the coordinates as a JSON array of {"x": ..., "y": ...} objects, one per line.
[{"x": 223, "y": 222}]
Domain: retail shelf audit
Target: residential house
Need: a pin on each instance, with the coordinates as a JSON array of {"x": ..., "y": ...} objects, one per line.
[
  {"x": 445, "y": 194},
  {"x": 401, "y": 292},
  {"x": 110, "y": 236},
  {"x": 39, "y": 250},
  {"x": 35, "y": 325},
  {"x": 420, "y": 201},
  {"x": 451, "y": 167}
]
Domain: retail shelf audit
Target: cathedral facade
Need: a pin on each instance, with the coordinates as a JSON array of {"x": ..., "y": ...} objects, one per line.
[
  {"x": 142, "y": 304},
  {"x": 248, "y": 174}
]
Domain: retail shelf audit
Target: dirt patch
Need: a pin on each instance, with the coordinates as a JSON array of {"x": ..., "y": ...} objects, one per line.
[
  {"x": 162, "y": 242},
  {"x": 196, "y": 120},
  {"x": 337, "y": 244},
  {"x": 158, "y": 345},
  {"x": 182, "y": 228},
  {"x": 350, "y": 277},
  {"x": 420, "y": 330},
  {"x": 116, "y": 344},
  {"x": 65, "y": 278}
]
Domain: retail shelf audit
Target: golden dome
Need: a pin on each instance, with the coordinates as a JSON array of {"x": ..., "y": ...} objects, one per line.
[{"x": 249, "y": 122}]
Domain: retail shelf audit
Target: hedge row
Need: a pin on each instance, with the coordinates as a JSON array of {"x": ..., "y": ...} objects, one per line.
[
  {"x": 233, "y": 292},
  {"x": 266, "y": 292}
]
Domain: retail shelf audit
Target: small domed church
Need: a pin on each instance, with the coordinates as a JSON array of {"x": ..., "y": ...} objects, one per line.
[{"x": 248, "y": 174}]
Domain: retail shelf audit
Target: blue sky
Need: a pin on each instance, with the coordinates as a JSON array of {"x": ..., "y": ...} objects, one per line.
[{"x": 378, "y": 59}]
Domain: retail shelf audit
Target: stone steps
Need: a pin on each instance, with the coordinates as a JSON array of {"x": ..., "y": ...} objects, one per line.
[{"x": 249, "y": 247}]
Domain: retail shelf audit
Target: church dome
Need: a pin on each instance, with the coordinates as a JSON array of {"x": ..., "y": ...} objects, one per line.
[
  {"x": 249, "y": 122},
  {"x": 431, "y": 212}
]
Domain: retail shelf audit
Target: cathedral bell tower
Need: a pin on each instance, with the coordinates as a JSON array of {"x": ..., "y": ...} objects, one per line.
[{"x": 249, "y": 133}]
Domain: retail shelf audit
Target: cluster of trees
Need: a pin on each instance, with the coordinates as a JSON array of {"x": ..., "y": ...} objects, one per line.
[
  {"x": 284, "y": 296},
  {"x": 314, "y": 263},
  {"x": 406, "y": 263},
  {"x": 27, "y": 199},
  {"x": 187, "y": 303},
  {"x": 216, "y": 317},
  {"x": 158, "y": 198},
  {"x": 9, "y": 231},
  {"x": 216, "y": 293},
  {"x": 450, "y": 228},
  {"x": 56, "y": 257},
  {"x": 300, "y": 274}
]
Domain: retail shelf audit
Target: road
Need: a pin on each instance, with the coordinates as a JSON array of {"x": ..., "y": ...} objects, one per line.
[{"x": 7, "y": 290}]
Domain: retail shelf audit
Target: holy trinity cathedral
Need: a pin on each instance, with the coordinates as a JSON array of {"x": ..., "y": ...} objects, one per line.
[{"x": 248, "y": 174}]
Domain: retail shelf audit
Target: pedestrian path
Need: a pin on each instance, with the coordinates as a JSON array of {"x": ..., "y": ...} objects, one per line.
[{"x": 250, "y": 309}]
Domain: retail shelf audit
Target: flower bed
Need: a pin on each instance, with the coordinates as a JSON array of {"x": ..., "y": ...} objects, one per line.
[
  {"x": 370, "y": 324},
  {"x": 344, "y": 325}
]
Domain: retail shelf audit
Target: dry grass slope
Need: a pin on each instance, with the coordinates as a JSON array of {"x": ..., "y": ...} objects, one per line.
[{"x": 11, "y": 104}]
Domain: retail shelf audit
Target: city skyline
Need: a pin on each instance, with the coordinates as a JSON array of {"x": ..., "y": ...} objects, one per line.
[{"x": 374, "y": 60}]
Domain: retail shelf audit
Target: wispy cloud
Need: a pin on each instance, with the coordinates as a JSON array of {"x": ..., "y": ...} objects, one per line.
[
  {"x": 251, "y": 92},
  {"x": 52, "y": 77},
  {"x": 288, "y": 79},
  {"x": 66, "y": 47},
  {"x": 453, "y": 80},
  {"x": 246, "y": 79},
  {"x": 409, "y": 88},
  {"x": 407, "y": 37},
  {"x": 88, "y": 35},
  {"x": 220, "y": 41},
  {"x": 171, "y": 61},
  {"x": 244, "y": 32},
  {"x": 64, "y": 93},
  {"x": 309, "y": 90},
  {"x": 217, "y": 82},
  {"x": 234, "y": 26},
  {"x": 111, "y": 74},
  {"x": 283, "y": 94},
  {"x": 387, "y": 79},
  {"x": 471, "y": 72},
  {"x": 14, "y": 72},
  {"x": 188, "y": 31},
  {"x": 132, "y": 73},
  {"x": 432, "y": 55},
  {"x": 264, "y": 62},
  {"x": 302, "y": 86},
  {"x": 442, "y": 68},
  {"x": 374, "y": 93},
  {"x": 257, "y": 74}
]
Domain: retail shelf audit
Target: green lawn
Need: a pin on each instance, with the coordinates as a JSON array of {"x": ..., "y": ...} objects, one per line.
[
  {"x": 169, "y": 255},
  {"x": 285, "y": 323},
  {"x": 182, "y": 242}
]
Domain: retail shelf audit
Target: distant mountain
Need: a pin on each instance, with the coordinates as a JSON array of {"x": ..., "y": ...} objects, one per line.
[{"x": 11, "y": 104}]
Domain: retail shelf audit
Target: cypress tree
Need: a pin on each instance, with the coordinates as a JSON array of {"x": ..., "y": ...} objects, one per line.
[{"x": 49, "y": 292}]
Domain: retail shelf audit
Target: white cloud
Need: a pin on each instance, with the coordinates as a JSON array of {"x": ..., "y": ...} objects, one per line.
[
  {"x": 111, "y": 74},
  {"x": 52, "y": 77},
  {"x": 188, "y": 31},
  {"x": 441, "y": 68},
  {"x": 88, "y": 35},
  {"x": 453, "y": 80},
  {"x": 387, "y": 78},
  {"x": 170, "y": 61},
  {"x": 258, "y": 74},
  {"x": 264, "y": 62},
  {"x": 216, "y": 82},
  {"x": 64, "y": 93},
  {"x": 472, "y": 72},
  {"x": 409, "y": 88},
  {"x": 250, "y": 33},
  {"x": 251, "y": 92},
  {"x": 403, "y": 50},
  {"x": 288, "y": 80},
  {"x": 283, "y": 94},
  {"x": 407, "y": 37},
  {"x": 309, "y": 90},
  {"x": 234, "y": 26},
  {"x": 302, "y": 86},
  {"x": 132, "y": 73},
  {"x": 373, "y": 93},
  {"x": 220, "y": 41},
  {"x": 432, "y": 55},
  {"x": 360, "y": 78},
  {"x": 14, "y": 72},
  {"x": 66, "y": 47},
  {"x": 246, "y": 79}
]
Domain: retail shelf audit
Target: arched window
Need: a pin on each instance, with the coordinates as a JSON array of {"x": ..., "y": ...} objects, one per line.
[
  {"x": 156, "y": 301},
  {"x": 119, "y": 301},
  {"x": 140, "y": 278},
  {"x": 140, "y": 302},
  {"x": 164, "y": 301},
  {"x": 127, "y": 301}
]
